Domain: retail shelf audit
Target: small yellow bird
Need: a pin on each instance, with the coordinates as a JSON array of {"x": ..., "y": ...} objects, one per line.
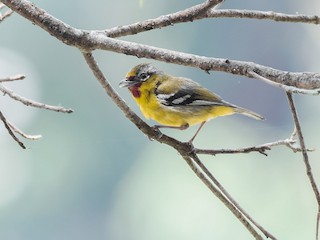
[{"x": 176, "y": 102}]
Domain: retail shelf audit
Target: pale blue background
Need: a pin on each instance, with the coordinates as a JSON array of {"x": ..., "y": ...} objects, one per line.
[{"x": 93, "y": 175}]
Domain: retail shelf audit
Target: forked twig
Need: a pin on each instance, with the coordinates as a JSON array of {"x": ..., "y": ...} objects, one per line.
[
  {"x": 290, "y": 143},
  {"x": 11, "y": 127},
  {"x": 264, "y": 15},
  {"x": 190, "y": 14},
  {"x": 87, "y": 41}
]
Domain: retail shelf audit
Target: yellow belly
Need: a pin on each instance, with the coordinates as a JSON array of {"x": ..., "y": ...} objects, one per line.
[{"x": 179, "y": 115}]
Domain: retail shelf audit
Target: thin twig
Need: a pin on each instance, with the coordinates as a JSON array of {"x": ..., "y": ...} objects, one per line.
[
  {"x": 305, "y": 155},
  {"x": 32, "y": 103},
  {"x": 188, "y": 15},
  {"x": 303, "y": 147},
  {"x": 290, "y": 89},
  {"x": 12, "y": 78},
  {"x": 290, "y": 143},
  {"x": 8, "y": 13},
  {"x": 191, "y": 15},
  {"x": 4, "y": 120},
  {"x": 27, "y": 136},
  {"x": 264, "y": 15}
]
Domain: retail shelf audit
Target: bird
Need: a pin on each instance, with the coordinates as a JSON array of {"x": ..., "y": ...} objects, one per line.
[{"x": 176, "y": 102}]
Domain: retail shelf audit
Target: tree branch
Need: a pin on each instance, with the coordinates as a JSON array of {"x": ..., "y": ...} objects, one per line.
[
  {"x": 263, "y": 15},
  {"x": 32, "y": 103},
  {"x": 189, "y": 15},
  {"x": 27, "y": 136},
  {"x": 290, "y": 143},
  {"x": 12, "y": 128},
  {"x": 286, "y": 88},
  {"x": 90, "y": 40},
  {"x": 305, "y": 157}
]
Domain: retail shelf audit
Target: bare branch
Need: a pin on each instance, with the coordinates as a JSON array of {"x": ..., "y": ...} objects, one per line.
[
  {"x": 190, "y": 14},
  {"x": 13, "y": 78},
  {"x": 32, "y": 103},
  {"x": 303, "y": 147},
  {"x": 290, "y": 89},
  {"x": 187, "y": 15},
  {"x": 305, "y": 156},
  {"x": 6, "y": 124},
  {"x": 266, "y": 15},
  {"x": 27, "y": 136},
  {"x": 11, "y": 127},
  {"x": 290, "y": 143},
  {"x": 90, "y": 40}
]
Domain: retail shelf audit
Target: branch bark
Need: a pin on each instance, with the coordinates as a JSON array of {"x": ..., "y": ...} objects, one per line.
[
  {"x": 188, "y": 15},
  {"x": 88, "y": 41}
]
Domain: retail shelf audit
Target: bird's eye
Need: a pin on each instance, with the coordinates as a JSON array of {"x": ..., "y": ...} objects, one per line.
[{"x": 144, "y": 76}]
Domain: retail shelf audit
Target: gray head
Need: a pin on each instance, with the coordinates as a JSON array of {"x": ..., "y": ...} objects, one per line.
[{"x": 139, "y": 74}]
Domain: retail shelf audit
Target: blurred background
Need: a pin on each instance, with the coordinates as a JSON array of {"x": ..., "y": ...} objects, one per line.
[{"x": 93, "y": 175}]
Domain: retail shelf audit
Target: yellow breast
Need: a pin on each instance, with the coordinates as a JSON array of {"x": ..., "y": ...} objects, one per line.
[{"x": 176, "y": 116}]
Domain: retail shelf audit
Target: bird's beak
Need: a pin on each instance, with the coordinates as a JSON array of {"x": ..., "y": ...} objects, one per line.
[{"x": 127, "y": 83}]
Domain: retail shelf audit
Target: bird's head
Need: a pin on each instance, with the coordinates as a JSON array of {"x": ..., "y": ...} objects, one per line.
[{"x": 137, "y": 76}]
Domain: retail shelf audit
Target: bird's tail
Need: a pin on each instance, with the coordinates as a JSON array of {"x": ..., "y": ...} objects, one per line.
[{"x": 248, "y": 113}]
